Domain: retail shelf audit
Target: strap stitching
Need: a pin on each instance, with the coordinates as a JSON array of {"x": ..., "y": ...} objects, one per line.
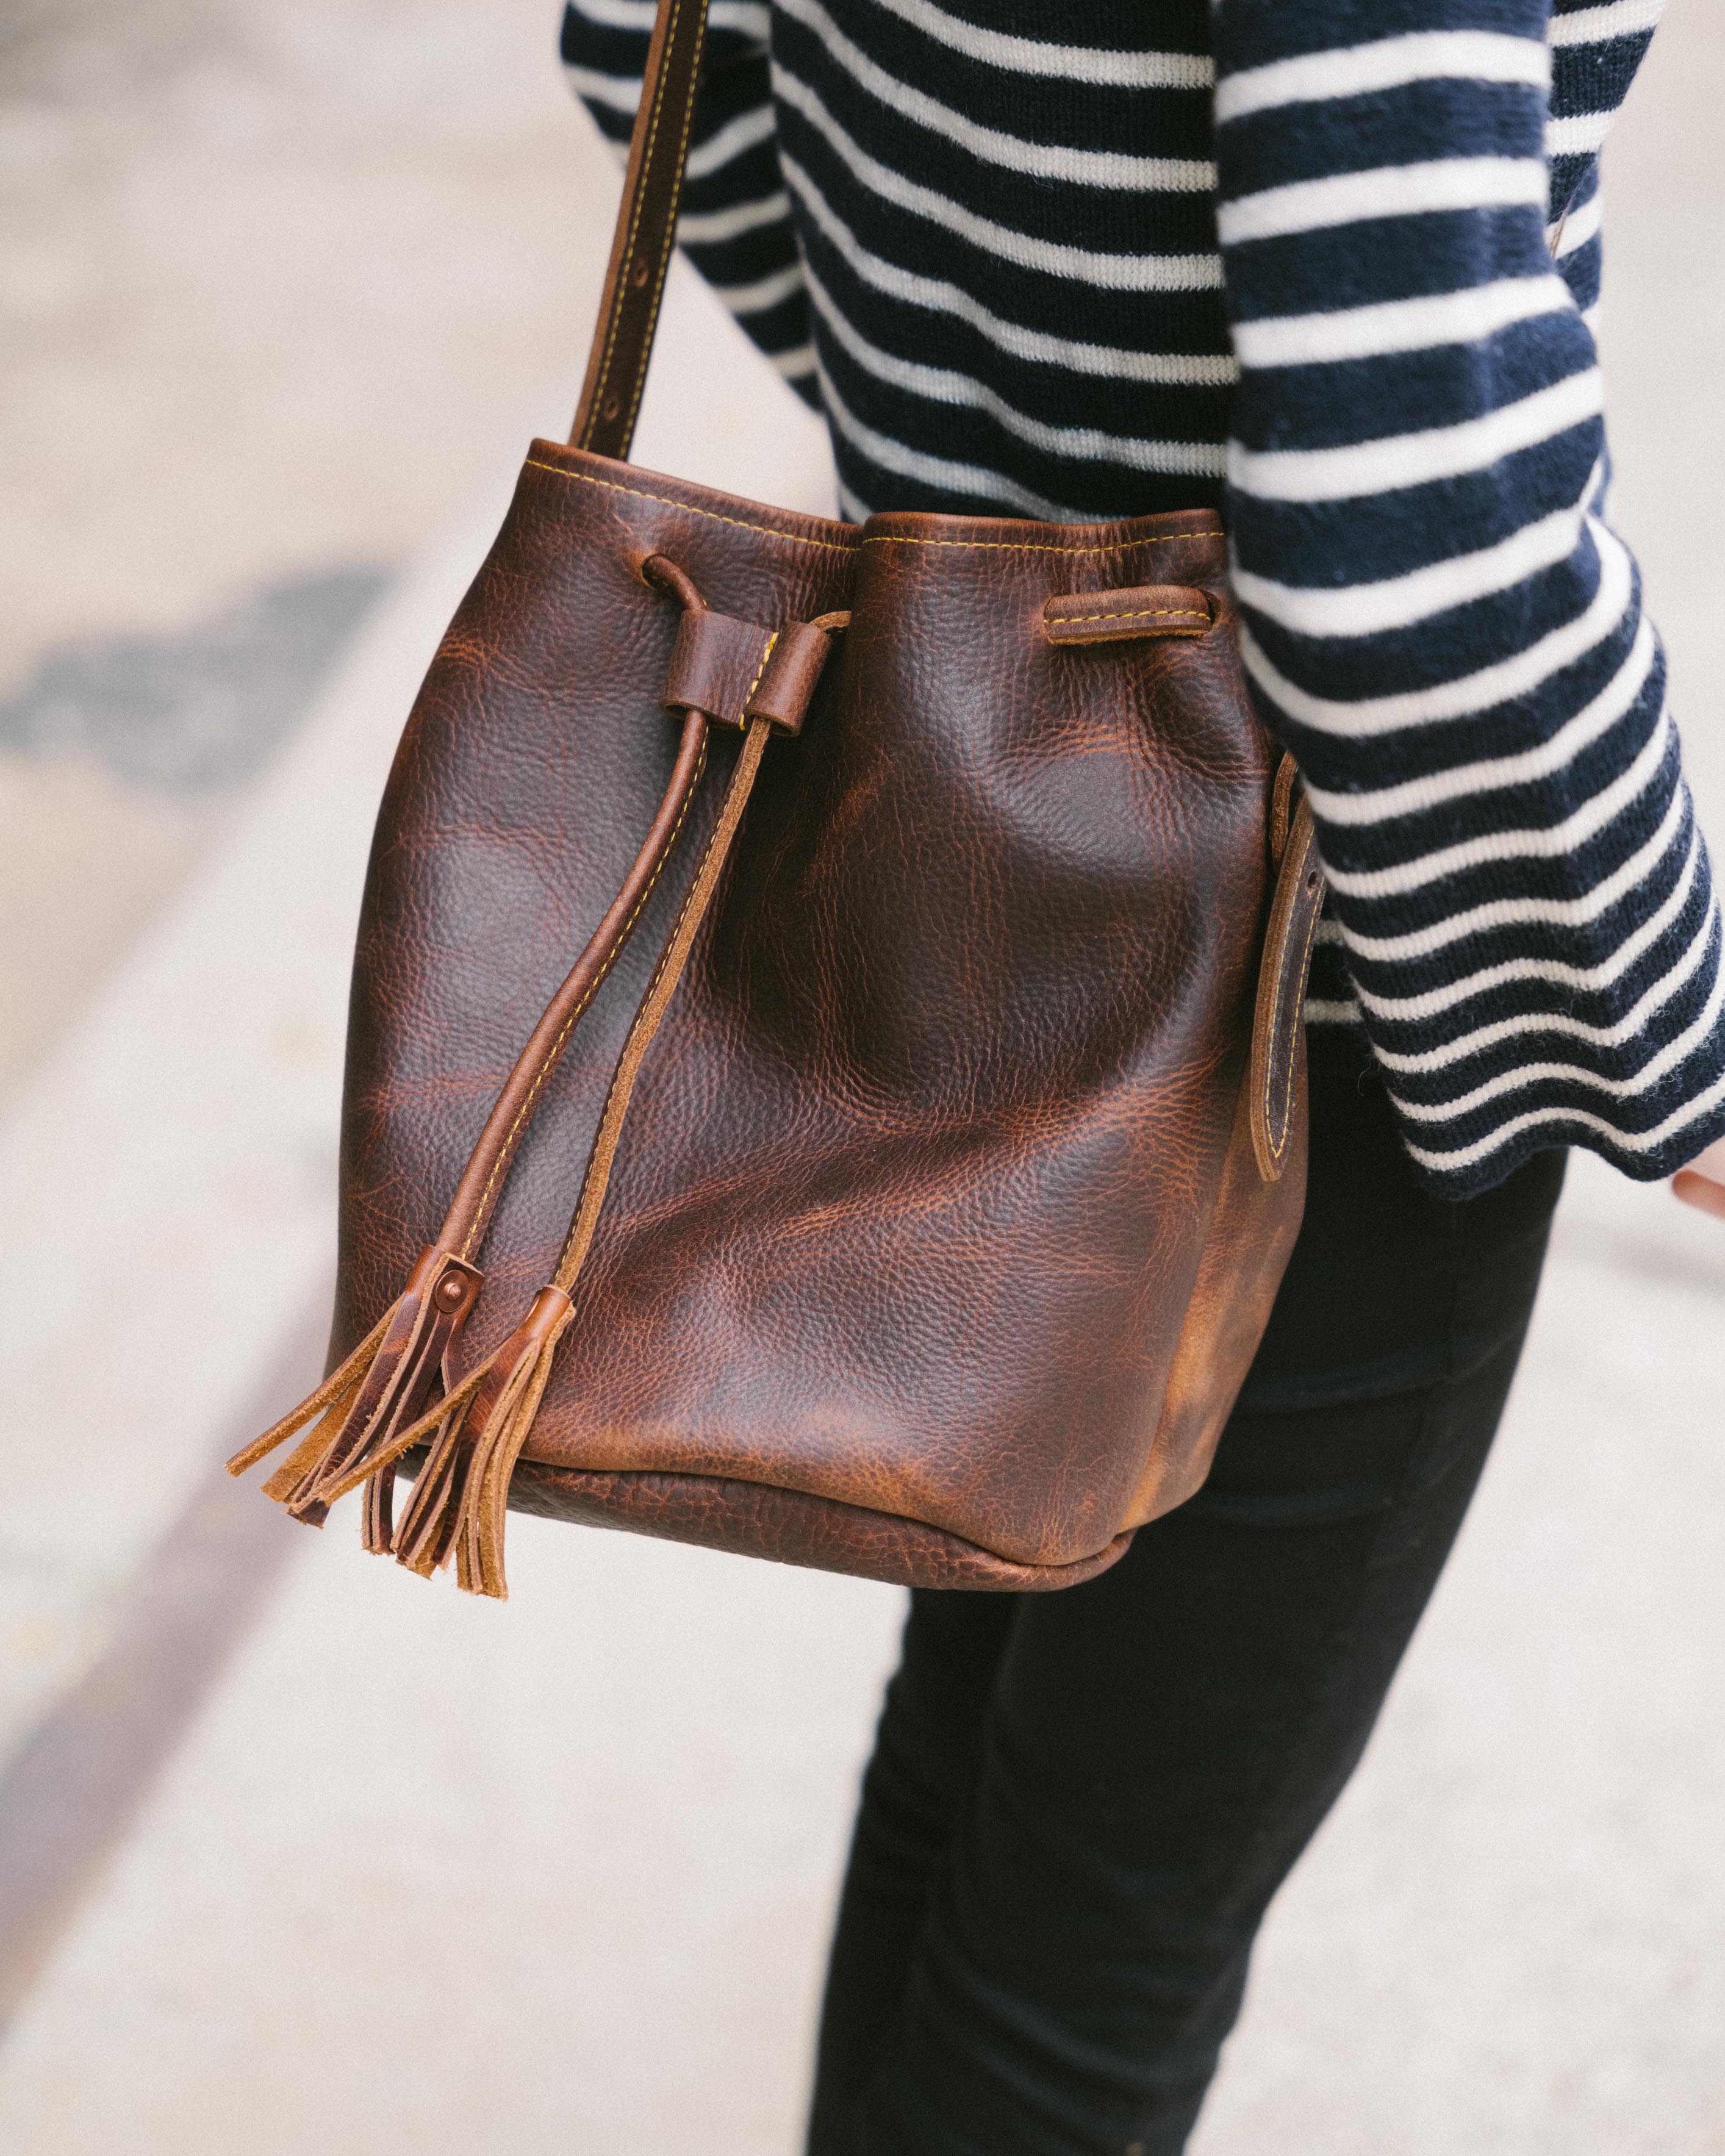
[
  {"x": 634, "y": 225},
  {"x": 765, "y": 654},
  {"x": 670, "y": 230}
]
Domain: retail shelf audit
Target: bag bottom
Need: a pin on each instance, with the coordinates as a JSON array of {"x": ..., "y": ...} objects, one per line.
[{"x": 751, "y": 1519}]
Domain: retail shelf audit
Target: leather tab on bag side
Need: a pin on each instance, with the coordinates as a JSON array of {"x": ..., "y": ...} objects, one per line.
[
  {"x": 1116, "y": 617},
  {"x": 1280, "y": 1013},
  {"x": 1282, "y": 797}
]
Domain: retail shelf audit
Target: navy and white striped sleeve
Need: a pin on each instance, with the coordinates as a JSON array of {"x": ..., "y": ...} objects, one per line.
[
  {"x": 736, "y": 223},
  {"x": 1437, "y": 620}
]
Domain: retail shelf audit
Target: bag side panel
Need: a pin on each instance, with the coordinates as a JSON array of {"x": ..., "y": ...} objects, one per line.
[{"x": 1252, "y": 1234}]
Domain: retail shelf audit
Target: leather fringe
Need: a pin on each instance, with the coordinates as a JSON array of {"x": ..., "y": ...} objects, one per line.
[
  {"x": 423, "y": 1539},
  {"x": 499, "y": 1433},
  {"x": 477, "y": 1434},
  {"x": 359, "y": 1409}
]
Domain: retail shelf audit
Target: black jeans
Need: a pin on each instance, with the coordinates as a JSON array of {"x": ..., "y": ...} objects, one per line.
[{"x": 1081, "y": 1803}]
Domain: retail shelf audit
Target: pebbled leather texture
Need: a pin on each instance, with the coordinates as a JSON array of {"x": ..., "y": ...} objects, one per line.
[{"x": 937, "y": 1224}]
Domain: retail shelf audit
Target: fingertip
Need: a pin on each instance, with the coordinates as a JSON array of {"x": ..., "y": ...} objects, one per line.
[{"x": 1700, "y": 1191}]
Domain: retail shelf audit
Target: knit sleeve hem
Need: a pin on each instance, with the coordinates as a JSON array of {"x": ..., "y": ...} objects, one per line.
[{"x": 1437, "y": 618}]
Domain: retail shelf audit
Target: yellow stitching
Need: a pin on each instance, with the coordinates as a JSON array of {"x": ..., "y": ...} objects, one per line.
[
  {"x": 1276, "y": 1148},
  {"x": 639, "y": 494},
  {"x": 670, "y": 232},
  {"x": 634, "y": 226},
  {"x": 594, "y": 987},
  {"x": 1028, "y": 546},
  {"x": 883, "y": 539},
  {"x": 1147, "y": 614},
  {"x": 771, "y": 638}
]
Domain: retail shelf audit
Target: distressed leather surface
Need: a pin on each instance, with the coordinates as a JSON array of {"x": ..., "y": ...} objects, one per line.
[
  {"x": 937, "y": 1200},
  {"x": 750, "y": 1521}
]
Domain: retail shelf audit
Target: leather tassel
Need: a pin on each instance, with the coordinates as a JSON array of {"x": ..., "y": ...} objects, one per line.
[
  {"x": 382, "y": 1384},
  {"x": 434, "y": 1307},
  {"x": 425, "y": 1538},
  {"x": 477, "y": 1446},
  {"x": 497, "y": 1445},
  {"x": 332, "y": 1396},
  {"x": 328, "y": 1409},
  {"x": 378, "y": 1524}
]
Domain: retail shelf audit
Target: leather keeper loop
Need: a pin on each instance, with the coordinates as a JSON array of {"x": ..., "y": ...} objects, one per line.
[
  {"x": 1118, "y": 617},
  {"x": 789, "y": 678},
  {"x": 715, "y": 664},
  {"x": 736, "y": 671}
]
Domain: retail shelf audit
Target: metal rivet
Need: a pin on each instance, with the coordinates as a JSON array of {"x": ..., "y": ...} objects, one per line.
[{"x": 452, "y": 1290}]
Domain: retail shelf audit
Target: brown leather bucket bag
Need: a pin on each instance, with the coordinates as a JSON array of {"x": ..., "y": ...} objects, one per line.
[{"x": 929, "y": 1097}]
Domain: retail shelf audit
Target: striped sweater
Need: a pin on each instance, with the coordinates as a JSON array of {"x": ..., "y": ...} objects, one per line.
[{"x": 1332, "y": 270}]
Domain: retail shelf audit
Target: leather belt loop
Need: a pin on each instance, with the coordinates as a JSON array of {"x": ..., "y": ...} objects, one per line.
[{"x": 717, "y": 664}]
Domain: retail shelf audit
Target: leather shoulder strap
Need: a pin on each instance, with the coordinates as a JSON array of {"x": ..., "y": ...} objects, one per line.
[{"x": 646, "y": 231}]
